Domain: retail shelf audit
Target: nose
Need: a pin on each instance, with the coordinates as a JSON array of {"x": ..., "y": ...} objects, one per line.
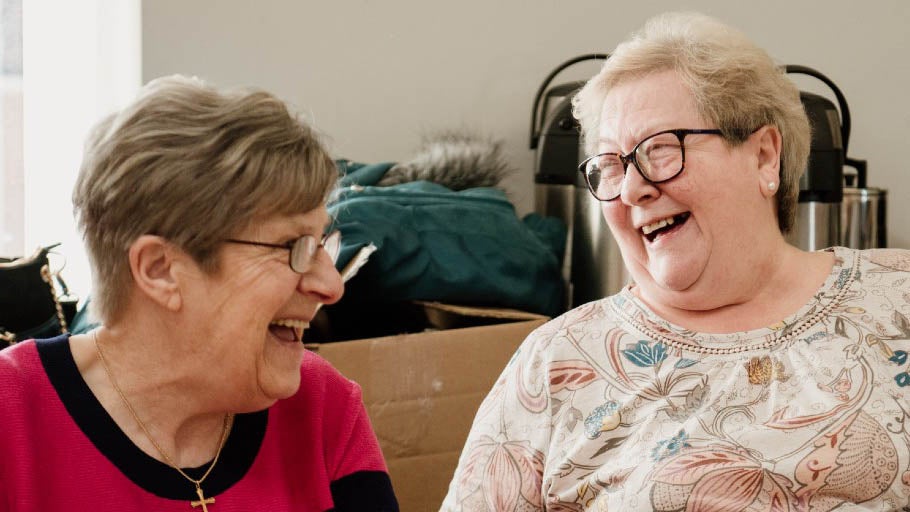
[
  {"x": 635, "y": 188},
  {"x": 322, "y": 281}
]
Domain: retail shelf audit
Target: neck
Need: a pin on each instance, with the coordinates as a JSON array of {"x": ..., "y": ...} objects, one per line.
[
  {"x": 758, "y": 292},
  {"x": 165, "y": 399}
]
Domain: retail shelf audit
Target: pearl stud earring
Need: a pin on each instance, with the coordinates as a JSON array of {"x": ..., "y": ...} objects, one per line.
[{"x": 771, "y": 185}]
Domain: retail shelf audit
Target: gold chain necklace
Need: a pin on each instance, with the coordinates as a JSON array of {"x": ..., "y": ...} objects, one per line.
[{"x": 225, "y": 429}]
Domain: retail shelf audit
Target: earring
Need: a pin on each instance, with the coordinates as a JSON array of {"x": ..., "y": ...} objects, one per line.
[{"x": 771, "y": 185}]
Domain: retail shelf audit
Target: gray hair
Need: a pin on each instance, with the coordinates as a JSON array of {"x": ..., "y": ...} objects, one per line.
[
  {"x": 736, "y": 85},
  {"x": 193, "y": 164}
]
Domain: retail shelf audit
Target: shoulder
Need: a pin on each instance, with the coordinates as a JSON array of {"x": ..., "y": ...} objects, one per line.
[
  {"x": 324, "y": 403},
  {"x": 25, "y": 404},
  {"x": 316, "y": 371},
  {"x": 892, "y": 259},
  {"x": 580, "y": 323},
  {"x": 322, "y": 388},
  {"x": 21, "y": 351},
  {"x": 562, "y": 341},
  {"x": 19, "y": 363}
]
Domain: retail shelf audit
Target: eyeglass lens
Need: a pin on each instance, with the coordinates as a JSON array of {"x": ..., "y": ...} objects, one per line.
[
  {"x": 657, "y": 158},
  {"x": 304, "y": 251}
]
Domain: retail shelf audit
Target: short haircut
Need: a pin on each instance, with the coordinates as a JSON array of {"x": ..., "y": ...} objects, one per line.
[
  {"x": 194, "y": 164},
  {"x": 737, "y": 86}
]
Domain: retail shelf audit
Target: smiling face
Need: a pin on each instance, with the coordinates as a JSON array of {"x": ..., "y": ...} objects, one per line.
[
  {"x": 253, "y": 309},
  {"x": 682, "y": 238}
]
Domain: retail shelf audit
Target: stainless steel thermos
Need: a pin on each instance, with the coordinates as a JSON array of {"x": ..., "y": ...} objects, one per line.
[{"x": 835, "y": 208}]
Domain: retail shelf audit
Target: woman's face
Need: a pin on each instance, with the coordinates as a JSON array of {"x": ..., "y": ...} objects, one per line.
[
  {"x": 252, "y": 312},
  {"x": 710, "y": 204}
]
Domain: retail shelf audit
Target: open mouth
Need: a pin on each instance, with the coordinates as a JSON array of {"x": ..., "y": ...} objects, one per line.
[
  {"x": 288, "y": 330},
  {"x": 663, "y": 226}
]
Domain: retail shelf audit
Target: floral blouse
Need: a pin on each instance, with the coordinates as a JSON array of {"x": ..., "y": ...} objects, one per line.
[{"x": 611, "y": 408}]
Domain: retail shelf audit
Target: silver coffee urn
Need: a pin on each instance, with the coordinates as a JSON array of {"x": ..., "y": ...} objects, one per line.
[
  {"x": 835, "y": 208},
  {"x": 592, "y": 266},
  {"x": 864, "y": 211},
  {"x": 821, "y": 187}
]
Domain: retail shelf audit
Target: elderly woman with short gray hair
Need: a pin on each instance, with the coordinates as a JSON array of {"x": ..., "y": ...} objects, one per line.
[
  {"x": 735, "y": 371},
  {"x": 204, "y": 214}
]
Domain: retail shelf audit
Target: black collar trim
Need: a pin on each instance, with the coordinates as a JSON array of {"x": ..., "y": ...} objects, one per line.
[{"x": 237, "y": 457}]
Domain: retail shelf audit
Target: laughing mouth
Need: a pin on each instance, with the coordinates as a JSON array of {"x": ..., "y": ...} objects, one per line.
[
  {"x": 288, "y": 329},
  {"x": 662, "y": 226}
]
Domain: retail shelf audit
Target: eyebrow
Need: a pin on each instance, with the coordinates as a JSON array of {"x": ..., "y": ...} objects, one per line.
[
  {"x": 638, "y": 138},
  {"x": 607, "y": 142},
  {"x": 308, "y": 227}
]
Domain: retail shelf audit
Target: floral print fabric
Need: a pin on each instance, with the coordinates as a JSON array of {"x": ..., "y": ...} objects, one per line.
[{"x": 611, "y": 408}]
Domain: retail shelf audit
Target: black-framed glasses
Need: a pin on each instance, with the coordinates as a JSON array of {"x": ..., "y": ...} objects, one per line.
[
  {"x": 303, "y": 250},
  {"x": 659, "y": 157}
]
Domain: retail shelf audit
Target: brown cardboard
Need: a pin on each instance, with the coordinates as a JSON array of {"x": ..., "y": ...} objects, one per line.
[{"x": 422, "y": 390}]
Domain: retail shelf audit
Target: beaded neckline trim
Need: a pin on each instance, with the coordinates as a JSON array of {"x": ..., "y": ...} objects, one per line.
[{"x": 844, "y": 282}]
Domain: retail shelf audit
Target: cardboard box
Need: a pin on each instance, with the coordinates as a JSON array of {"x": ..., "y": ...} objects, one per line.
[{"x": 422, "y": 390}]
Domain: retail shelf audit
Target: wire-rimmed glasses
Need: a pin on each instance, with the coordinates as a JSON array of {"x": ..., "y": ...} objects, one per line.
[
  {"x": 659, "y": 157},
  {"x": 303, "y": 250}
]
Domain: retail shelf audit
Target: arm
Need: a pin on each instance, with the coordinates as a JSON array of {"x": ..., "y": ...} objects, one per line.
[
  {"x": 360, "y": 481},
  {"x": 502, "y": 464}
]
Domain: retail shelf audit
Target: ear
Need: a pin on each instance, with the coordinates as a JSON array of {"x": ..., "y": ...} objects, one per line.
[
  {"x": 152, "y": 262},
  {"x": 768, "y": 140}
]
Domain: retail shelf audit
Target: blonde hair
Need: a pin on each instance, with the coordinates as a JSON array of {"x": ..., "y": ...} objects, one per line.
[
  {"x": 736, "y": 85},
  {"x": 193, "y": 164}
]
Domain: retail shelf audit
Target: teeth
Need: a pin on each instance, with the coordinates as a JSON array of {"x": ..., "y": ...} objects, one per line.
[
  {"x": 298, "y": 325},
  {"x": 650, "y": 228}
]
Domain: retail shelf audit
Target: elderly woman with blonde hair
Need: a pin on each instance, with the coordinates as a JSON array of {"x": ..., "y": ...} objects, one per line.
[
  {"x": 204, "y": 215},
  {"x": 735, "y": 371}
]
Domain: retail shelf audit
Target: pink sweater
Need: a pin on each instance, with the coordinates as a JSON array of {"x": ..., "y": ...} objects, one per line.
[{"x": 59, "y": 450}]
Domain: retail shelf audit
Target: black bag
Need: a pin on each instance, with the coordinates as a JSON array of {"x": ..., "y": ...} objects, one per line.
[{"x": 29, "y": 305}]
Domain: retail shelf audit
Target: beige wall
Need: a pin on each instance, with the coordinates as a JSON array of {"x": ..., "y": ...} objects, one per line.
[{"x": 376, "y": 74}]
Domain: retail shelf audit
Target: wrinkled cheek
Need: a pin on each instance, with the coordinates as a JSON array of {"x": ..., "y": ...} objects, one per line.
[
  {"x": 614, "y": 214},
  {"x": 616, "y": 217}
]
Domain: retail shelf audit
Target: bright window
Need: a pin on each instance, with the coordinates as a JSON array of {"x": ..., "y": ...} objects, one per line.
[
  {"x": 79, "y": 60},
  {"x": 11, "y": 194}
]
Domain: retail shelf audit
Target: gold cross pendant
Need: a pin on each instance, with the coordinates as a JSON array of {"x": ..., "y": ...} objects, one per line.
[{"x": 203, "y": 501}]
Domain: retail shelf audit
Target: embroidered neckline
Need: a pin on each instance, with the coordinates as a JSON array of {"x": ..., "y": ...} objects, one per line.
[{"x": 830, "y": 294}]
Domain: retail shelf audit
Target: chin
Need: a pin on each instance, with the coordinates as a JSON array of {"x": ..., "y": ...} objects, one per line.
[
  {"x": 288, "y": 389},
  {"x": 674, "y": 280},
  {"x": 677, "y": 272},
  {"x": 280, "y": 388}
]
